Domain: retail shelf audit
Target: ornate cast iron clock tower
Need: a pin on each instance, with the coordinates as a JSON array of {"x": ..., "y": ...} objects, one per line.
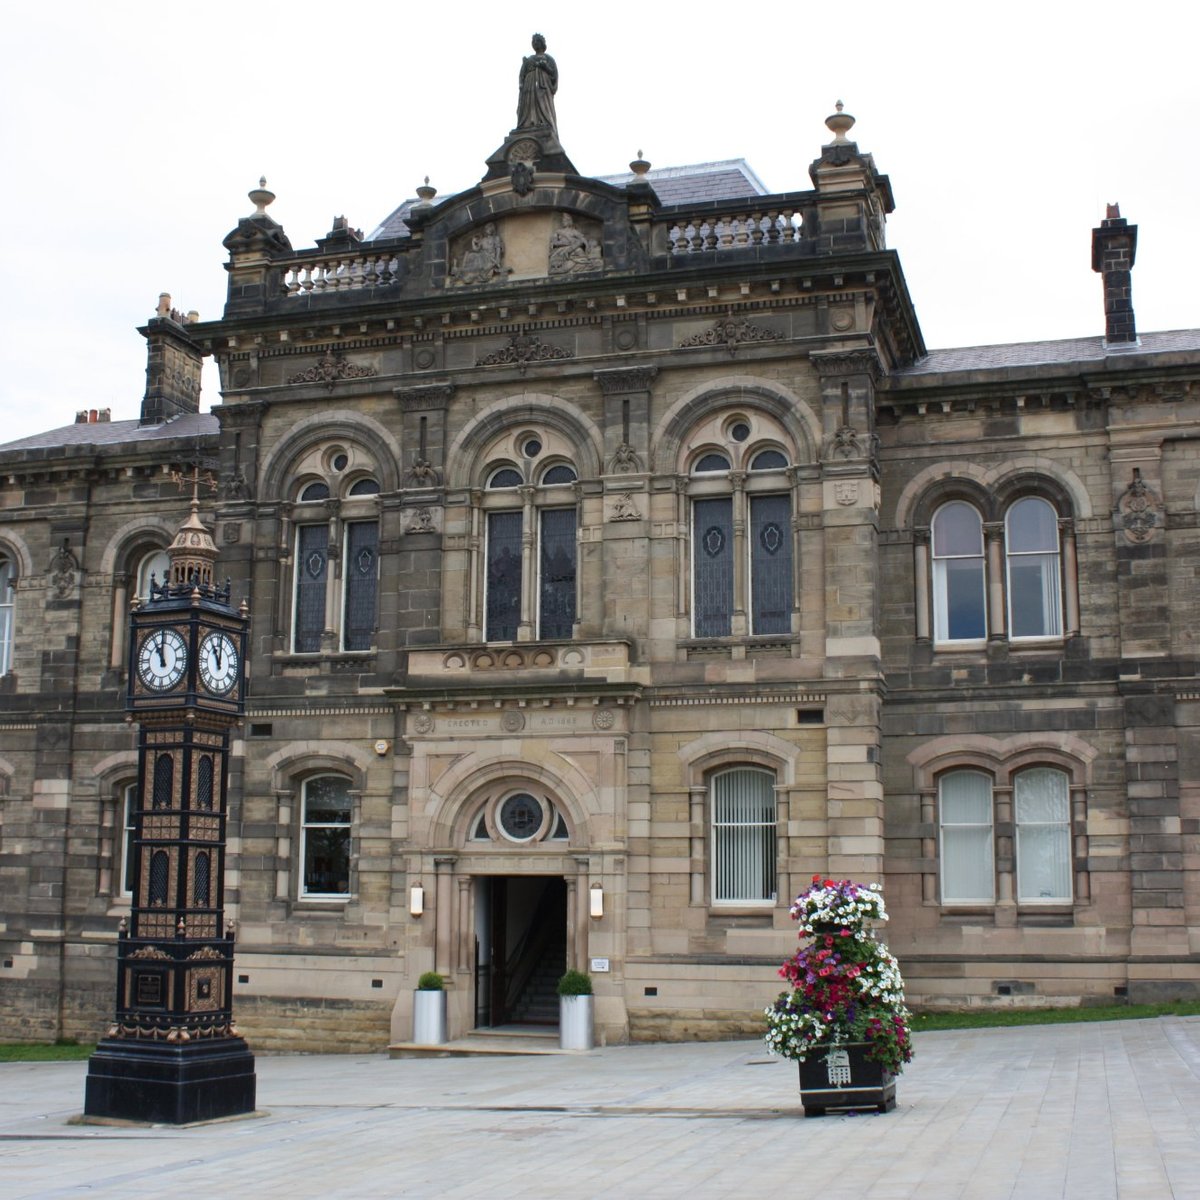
[{"x": 173, "y": 1052}]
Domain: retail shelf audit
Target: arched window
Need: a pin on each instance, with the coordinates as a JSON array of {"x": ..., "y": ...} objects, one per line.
[
  {"x": 733, "y": 571},
  {"x": 364, "y": 487},
  {"x": 1042, "y": 812},
  {"x": 314, "y": 491},
  {"x": 965, "y": 822},
  {"x": 325, "y": 837},
  {"x": 1034, "y": 570},
  {"x": 8, "y": 583},
  {"x": 128, "y": 816},
  {"x": 742, "y": 803},
  {"x": 160, "y": 877},
  {"x": 204, "y": 783},
  {"x": 201, "y": 882},
  {"x": 164, "y": 781},
  {"x": 552, "y": 511},
  {"x": 959, "y": 599},
  {"x": 153, "y": 567}
]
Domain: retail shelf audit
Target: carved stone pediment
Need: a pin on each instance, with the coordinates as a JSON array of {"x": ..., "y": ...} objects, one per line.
[{"x": 732, "y": 331}]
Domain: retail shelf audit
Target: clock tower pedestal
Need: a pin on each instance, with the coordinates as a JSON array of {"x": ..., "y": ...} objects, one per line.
[{"x": 172, "y": 1053}]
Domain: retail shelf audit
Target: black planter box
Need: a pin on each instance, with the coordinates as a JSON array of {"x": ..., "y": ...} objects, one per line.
[{"x": 844, "y": 1077}]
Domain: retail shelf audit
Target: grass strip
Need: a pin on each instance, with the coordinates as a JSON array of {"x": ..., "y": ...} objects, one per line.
[
  {"x": 993, "y": 1017},
  {"x": 43, "y": 1051}
]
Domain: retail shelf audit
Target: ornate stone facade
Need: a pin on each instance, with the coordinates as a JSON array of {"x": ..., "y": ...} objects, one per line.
[{"x": 673, "y": 573}]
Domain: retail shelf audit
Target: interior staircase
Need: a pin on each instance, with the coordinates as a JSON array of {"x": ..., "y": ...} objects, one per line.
[{"x": 538, "y": 1001}]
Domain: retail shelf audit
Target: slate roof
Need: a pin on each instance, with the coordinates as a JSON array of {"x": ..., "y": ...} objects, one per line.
[
  {"x": 730, "y": 179},
  {"x": 115, "y": 433},
  {"x": 1081, "y": 352}
]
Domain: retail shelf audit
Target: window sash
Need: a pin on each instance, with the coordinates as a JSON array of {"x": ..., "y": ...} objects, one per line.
[
  {"x": 1042, "y": 809},
  {"x": 312, "y": 568},
  {"x": 325, "y": 838},
  {"x": 502, "y": 600},
  {"x": 556, "y": 573},
  {"x": 712, "y": 567},
  {"x": 744, "y": 837},
  {"x": 968, "y": 863},
  {"x": 6, "y": 615},
  {"x": 770, "y": 564},
  {"x": 360, "y": 572},
  {"x": 959, "y": 600},
  {"x": 1034, "y": 595}
]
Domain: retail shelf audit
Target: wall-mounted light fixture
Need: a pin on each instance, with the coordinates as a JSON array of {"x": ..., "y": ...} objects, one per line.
[
  {"x": 596, "y": 908},
  {"x": 416, "y": 900}
]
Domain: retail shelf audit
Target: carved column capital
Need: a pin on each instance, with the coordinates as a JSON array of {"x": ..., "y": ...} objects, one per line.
[{"x": 424, "y": 396}]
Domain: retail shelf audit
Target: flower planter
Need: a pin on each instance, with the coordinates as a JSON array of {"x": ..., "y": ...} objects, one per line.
[
  {"x": 429, "y": 1017},
  {"x": 843, "y": 1077},
  {"x": 575, "y": 1022}
]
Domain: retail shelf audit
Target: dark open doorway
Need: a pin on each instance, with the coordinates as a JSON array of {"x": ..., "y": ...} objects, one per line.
[{"x": 521, "y": 948}]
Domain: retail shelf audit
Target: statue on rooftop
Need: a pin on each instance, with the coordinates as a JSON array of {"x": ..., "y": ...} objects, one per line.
[{"x": 539, "y": 82}]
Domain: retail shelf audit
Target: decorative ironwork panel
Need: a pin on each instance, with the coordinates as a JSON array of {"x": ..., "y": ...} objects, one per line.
[
  {"x": 557, "y": 573},
  {"x": 312, "y": 567},
  {"x": 201, "y": 882},
  {"x": 204, "y": 783},
  {"x": 712, "y": 558},
  {"x": 771, "y": 564},
  {"x": 503, "y": 608},
  {"x": 164, "y": 776},
  {"x": 362, "y": 584}
]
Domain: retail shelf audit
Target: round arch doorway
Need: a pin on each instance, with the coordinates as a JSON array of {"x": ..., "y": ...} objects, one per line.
[{"x": 520, "y": 948}]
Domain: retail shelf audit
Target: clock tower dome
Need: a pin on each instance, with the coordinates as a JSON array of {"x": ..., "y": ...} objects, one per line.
[{"x": 173, "y": 1053}]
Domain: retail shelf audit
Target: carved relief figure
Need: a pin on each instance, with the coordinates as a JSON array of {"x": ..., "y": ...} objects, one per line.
[
  {"x": 539, "y": 82},
  {"x": 484, "y": 261},
  {"x": 571, "y": 251}
]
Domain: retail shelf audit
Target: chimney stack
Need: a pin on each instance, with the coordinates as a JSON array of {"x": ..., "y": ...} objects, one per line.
[{"x": 1114, "y": 248}]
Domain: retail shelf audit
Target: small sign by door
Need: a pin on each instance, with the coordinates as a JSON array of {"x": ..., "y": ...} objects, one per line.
[{"x": 599, "y": 966}]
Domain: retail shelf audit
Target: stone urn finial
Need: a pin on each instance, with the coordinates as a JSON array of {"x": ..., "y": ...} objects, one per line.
[
  {"x": 260, "y": 197},
  {"x": 839, "y": 124},
  {"x": 639, "y": 166},
  {"x": 425, "y": 194}
]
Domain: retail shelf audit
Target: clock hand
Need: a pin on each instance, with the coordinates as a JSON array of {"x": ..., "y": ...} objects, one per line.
[
  {"x": 162, "y": 657},
  {"x": 217, "y": 654}
]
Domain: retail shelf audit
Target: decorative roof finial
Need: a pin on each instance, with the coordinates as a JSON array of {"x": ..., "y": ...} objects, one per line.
[
  {"x": 260, "y": 197},
  {"x": 425, "y": 194},
  {"x": 639, "y": 166},
  {"x": 839, "y": 124}
]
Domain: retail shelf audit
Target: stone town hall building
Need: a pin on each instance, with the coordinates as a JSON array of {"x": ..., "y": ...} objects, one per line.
[{"x": 617, "y": 544}]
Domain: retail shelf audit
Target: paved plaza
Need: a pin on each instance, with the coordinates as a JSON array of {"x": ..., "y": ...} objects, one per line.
[{"x": 1092, "y": 1110}]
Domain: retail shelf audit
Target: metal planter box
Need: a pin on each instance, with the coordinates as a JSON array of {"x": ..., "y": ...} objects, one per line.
[{"x": 844, "y": 1077}]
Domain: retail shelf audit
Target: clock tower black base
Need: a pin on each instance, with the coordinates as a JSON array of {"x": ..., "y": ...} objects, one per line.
[{"x": 170, "y": 1083}]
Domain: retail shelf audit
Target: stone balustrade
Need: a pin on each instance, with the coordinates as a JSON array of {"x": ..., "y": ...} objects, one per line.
[
  {"x": 340, "y": 273},
  {"x": 735, "y": 231}
]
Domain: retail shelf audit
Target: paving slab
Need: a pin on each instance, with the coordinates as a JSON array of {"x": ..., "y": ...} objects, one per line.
[{"x": 1092, "y": 1110}]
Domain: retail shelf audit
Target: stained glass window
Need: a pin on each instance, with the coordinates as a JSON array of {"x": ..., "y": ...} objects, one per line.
[
  {"x": 771, "y": 564},
  {"x": 503, "y": 606},
  {"x": 361, "y": 573},
  {"x": 312, "y": 565},
  {"x": 712, "y": 559},
  {"x": 557, "y": 573}
]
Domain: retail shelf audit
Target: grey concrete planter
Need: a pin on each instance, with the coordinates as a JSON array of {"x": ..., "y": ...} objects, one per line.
[
  {"x": 429, "y": 1018},
  {"x": 575, "y": 1022}
]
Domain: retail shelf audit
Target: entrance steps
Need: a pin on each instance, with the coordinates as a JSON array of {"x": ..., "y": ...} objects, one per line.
[{"x": 497, "y": 1040}]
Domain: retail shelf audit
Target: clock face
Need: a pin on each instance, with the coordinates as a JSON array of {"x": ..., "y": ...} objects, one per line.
[
  {"x": 162, "y": 659},
  {"x": 218, "y": 663}
]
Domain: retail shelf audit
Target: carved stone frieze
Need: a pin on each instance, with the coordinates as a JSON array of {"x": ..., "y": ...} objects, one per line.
[
  {"x": 624, "y": 508},
  {"x": 422, "y": 521},
  {"x": 480, "y": 259},
  {"x": 426, "y": 396},
  {"x": 522, "y": 349},
  {"x": 732, "y": 331},
  {"x": 840, "y": 363},
  {"x": 625, "y": 379},
  {"x": 330, "y": 369}
]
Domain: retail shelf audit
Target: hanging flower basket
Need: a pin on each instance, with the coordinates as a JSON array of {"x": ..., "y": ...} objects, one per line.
[{"x": 844, "y": 1018}]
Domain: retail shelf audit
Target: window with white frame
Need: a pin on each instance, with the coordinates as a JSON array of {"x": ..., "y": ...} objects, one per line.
[
  {"x": 967, "y": 854},
  {"x": 743, "y": 811},
  {"x": 1042, "y": 815},
  {"x": 960, "y": 603},
  {"x": 344, "y": 609},
  {"x": 539, "y": 496},
  {"x": 734, "y": 572},
  {"x": 1031, "y": 564},
  {"x": 325, "y": 837},
  {"x": 1034, "y": 569},
  {"x": 128, "y": 818},
  {"x": 8, "y": 583}
]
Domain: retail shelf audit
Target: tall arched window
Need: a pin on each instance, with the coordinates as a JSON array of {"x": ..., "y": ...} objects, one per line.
[
  {"x": 8, "y": 583},
  {"x": 1034, "y": 571},
  {"x": 164, "y": 781},
  {"x": 204, "y": 783},
  {"x": 965, "y": 821},
  {"x": 959, "y": 598},
  {"x": 742, "y": 801},
  {"x": 1042, "y": 811},
  {"x": 325, "y": 837},
  {"x": 201, "y": 883},
  {"x": 548, "y": 506}
]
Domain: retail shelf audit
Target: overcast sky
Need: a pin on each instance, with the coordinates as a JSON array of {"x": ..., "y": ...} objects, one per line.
[{"x": 132, "y": 132}]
